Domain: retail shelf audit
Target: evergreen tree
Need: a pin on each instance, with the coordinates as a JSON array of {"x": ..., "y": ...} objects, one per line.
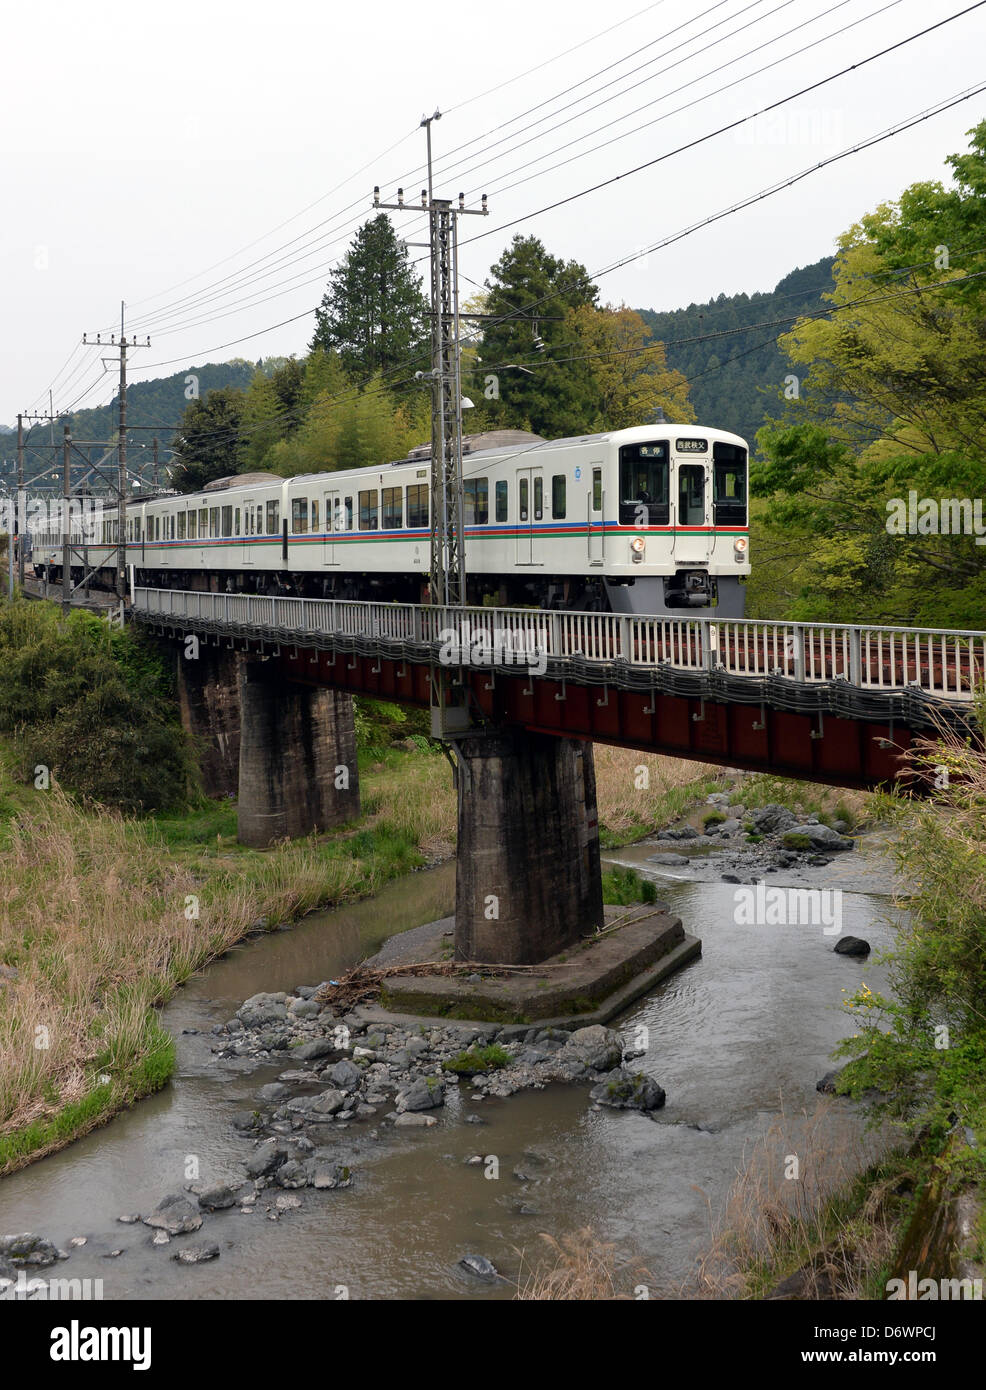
[
  {"x": 537, "y": 290},
  {"x": 208, "y": 439},
  {"x": 373, "y": 312}
]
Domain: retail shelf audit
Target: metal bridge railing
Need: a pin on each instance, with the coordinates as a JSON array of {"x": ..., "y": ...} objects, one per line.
[{"x": 949, "y": 665}]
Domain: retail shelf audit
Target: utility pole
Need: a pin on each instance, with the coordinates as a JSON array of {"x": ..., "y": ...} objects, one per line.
[
  {"x": 450, "y": 716},
  {"x": 21, "y": 508},
  {"x": 121, "y": 487},
  {"x": 447, "y": 569},
  {"x": 66, "y": 520},
  {"x": 155, "y": 464}
]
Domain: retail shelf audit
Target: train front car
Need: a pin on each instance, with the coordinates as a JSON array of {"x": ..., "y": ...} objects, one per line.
[{"x": 674, "y": 521}]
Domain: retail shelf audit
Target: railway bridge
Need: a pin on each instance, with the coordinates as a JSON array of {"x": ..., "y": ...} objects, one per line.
[{"x": 267, "y": 682}]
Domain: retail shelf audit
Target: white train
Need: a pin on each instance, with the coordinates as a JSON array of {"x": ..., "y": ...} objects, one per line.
[{"x": 645, "y": 520}]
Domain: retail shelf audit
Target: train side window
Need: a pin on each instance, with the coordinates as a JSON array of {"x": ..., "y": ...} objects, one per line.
[
  {"x": 157, "y": 528},
  {"x": 500, "y": 496},
  {"x": 299, "y": 516},
  {"x": 314, "y": 515},
  {"x": 273, "y": 519},
  {"x": 213, "y": 521},
  {"x": 538, "y": 498},
  {"x": 524, "y": 494},
  {"x": 393, "y": 509},
  {"x": 476, "y": 501},
  {"x": 368, "y": 510},
  {"x": 597, "y": 489},
  {"x": 558, "y": 496},
  {"x": 227, "y": 521},
  {"x": 181, "y": 526},
  {"x": 192, "y": 518},
  {"x": 417, "y": 506},
  {"x": 349, "y": 513}
]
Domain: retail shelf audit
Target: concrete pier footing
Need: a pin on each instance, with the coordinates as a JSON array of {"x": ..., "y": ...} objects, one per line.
[
  {"x": 297, "y": 768},
  {"x": 528, "y": 876}
]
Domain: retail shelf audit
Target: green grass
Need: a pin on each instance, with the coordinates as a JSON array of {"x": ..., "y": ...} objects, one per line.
[
  {"x": 478, "y": 1059},
  {"x": 623, "y": 886}
]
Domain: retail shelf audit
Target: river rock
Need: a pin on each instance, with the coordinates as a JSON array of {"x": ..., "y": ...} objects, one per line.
[
  {"x": 479, "y": 1266},
  {"x": 821, "y": 836},
  {"x": 667, "y": 859},
  {"x": 318, "y": 1047},
  {"x": 196, "y": 1254},
  {"x": 268, "y": 1157},
  {"x": 261, "y": 1009},
  {"x": 303, "y": 1008},
  {"x": 274, "y": 1090},
  {"x": 678, "y": 832},
  {"x": 596, "y": 1047},
  {"x": 424, "y": 1093},
  {"x": 218, "y": 1196},
  {"x": 625, "y": 1090},
  {"x": 174, "y": 1214},
  {"x": 772, "y": 819},
  {"x": 328, "y": 1102},
  {"x": 345, "y": 1074},
  {"x": 328, "y": 1176},
  {"x": 294, "y": 1173},
  {"x": 726, "y": 827},
  {"x": 852, "y": 946},
  {"x": 409, "y": 1119},
  {"x": 29, "y": 1249}
]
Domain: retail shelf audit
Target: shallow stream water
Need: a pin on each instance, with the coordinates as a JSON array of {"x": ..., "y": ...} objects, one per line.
[{"x": 735, "y": 1038}]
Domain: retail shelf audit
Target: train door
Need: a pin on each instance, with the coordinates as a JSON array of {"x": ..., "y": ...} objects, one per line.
[
  {"x": 247, "y": 515},
  {"x": 530, "y": 515},
  {"x": 692, "y": 533},
  {"x": 594, "y": 513},
  {"x": 333, "y": 523}
]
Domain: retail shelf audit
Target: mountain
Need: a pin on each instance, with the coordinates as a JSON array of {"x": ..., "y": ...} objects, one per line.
[
  {"x": 153, "y": 407},
  {"x": 734, "y": 382}
]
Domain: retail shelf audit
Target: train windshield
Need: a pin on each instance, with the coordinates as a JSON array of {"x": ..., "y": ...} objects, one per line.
[
  {"x": 729, "y": 489},
  {"x": 644, "y": 477}
]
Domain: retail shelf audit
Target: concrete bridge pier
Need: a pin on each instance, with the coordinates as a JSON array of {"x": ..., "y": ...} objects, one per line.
[
  {"x": 527, "y": 867},
  {"x": 210, "y": 712},
  {"x": 297, "y": 770}
]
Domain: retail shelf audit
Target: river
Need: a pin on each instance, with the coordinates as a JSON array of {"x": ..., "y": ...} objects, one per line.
[{"x": 735, "y": 1038}]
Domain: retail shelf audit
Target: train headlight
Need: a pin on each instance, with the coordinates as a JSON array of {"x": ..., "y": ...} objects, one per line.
[
  {"x": 637, "y": 548},
  {"x": 740, "y": 546}
]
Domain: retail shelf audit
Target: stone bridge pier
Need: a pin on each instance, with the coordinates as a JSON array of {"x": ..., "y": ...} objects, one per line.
[
  {"x": 286, "y": 749},
  {"x": 527, "y": 870},
  {"x": 298, "y": 770}
]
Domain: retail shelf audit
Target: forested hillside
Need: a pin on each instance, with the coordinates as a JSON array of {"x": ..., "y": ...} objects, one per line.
[
  {"x": 733, "y": 382},
  {"x": 160, "y": 403}
]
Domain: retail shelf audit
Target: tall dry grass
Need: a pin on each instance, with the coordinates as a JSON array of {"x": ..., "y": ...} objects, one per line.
[
  {"x": 827, "y": 1223},
  {"x": 98, "y": 918},
  {"x": 641, "y": 792},
  {"x": 580, "y": 1267}
]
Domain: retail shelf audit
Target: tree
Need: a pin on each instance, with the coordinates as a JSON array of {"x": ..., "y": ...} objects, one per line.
[
  {"x": 373, "y": 311},
  {"x": 627, "y": 384},
  {"x": 208, "y": 439},
  {"x": 532, "y": 293},
  {"x": 272, "y": 408},
  {"x": 892, "y": 402}
]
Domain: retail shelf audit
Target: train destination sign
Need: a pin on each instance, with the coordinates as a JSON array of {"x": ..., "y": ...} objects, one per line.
[{"x": 692, "y": 446}]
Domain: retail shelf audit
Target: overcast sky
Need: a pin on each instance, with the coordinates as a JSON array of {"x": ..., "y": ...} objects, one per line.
[{"x": 207, "y": 162}]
